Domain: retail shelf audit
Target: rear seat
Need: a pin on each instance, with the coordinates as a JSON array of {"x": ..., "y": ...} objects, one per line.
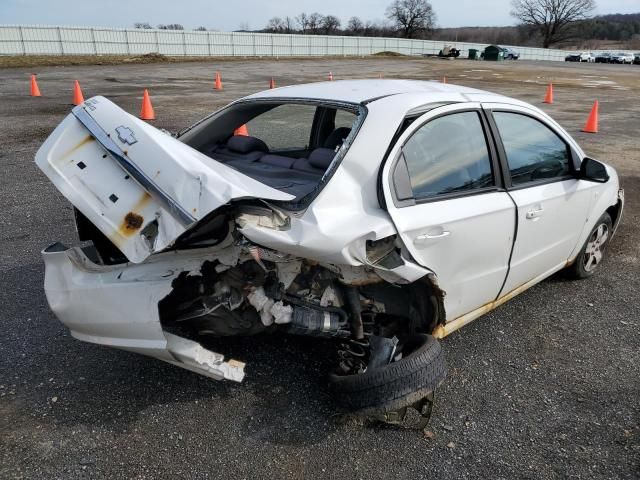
[
  {"x": 251, "y": 153},
  {"x": 239, "y": 148}
]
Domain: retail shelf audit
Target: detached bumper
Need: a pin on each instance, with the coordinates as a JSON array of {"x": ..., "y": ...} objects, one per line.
[{"x": 117, "y": 306}]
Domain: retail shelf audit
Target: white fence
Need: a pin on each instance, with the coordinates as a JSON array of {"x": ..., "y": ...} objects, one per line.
[{"x": 58, "y": 40}]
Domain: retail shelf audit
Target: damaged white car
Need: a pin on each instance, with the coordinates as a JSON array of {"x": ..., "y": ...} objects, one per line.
[{"x": 344, "y": 210}]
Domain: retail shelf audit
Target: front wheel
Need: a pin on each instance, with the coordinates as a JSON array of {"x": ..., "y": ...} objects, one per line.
[{"x": 592, "y": 252}]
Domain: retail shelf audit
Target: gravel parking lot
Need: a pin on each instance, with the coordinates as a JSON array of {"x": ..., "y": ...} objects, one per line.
[{"x": 546, "y": 386}]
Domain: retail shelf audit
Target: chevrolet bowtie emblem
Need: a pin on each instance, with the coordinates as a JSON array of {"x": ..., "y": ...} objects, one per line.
[{"x": 125, "y": 135}]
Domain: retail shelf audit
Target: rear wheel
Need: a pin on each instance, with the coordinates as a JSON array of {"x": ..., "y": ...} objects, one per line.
[
  {"x": 385, "y": 393},
  {"x": 592, "y": 253}
]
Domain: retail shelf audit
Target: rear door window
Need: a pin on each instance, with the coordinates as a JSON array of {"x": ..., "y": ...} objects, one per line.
[{"x": 448, "y": 155}]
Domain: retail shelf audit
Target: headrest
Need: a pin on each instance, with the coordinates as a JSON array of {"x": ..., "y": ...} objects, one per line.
[
  {"x": 336, "y": 137},
  {"x": 245, "y": 144},
  {"x": 321, "y": 158}
]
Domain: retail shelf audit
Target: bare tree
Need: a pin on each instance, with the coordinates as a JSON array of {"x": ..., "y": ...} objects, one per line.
[
  {"x": 303, "y": 21},
  {"x": 171, "y": 26},
  {"x": 244, "y": 27},
  {"x": 330, "y": 24},
  {"x": 275, "y": 25},
  {"x": 201, "y": 29},
  {"x": 289, "y": 24},
  {"x": 315, "y": 22},
  {"x": 143, "y": 25},
  {"x": 412, "y": 17},
  {"x": 355, "y": 26},
  {"x": 553, "y": 19}
]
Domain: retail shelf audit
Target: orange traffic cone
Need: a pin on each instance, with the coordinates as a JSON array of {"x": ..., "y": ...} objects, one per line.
[
  {"x": 147, "y": 113},
  {"x": 272, "y": 83},
  {"x": 35, "y": 91},
  {"x": 78, "y": 98},
  {"x": 548, "y": 98},
  {"x": 330, "y": 77},
  {"x": 241, "y": 130},
  {"x": 218, "y": 85},
  {"x": 592, "y": 122}
]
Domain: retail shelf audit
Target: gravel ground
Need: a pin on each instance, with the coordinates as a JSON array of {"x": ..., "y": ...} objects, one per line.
[{"x": 546, "y": 386}]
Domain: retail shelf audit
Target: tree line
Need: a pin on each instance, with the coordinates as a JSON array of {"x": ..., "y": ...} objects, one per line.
[
  {"x": 541, "y": 23},
  {"x": 404, "y": 18}
]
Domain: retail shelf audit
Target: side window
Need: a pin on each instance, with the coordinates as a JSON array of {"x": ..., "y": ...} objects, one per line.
[
  {"x": 344, "y": 119},
  {"x": 534, "y": 151},
  {"x": 285, "y": 127},
  {"x": 448, "y": 155}
]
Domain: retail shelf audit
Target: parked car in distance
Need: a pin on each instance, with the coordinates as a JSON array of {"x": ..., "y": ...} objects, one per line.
[
  {"x": 622, "y": 57},
  {"x": 604, "y": 57},
  {"x": 636, "y": 59},
  {"x": 580, "y": 57},
  {"x": 449, "y": 51},
  {"x": 343, "y": 211},
  {"x": 510, "y": 54}
]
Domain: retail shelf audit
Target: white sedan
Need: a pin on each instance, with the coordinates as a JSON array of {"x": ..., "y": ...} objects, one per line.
[
  {"x": 622, "y": 57},
  {"x": 340, "y": 209}
]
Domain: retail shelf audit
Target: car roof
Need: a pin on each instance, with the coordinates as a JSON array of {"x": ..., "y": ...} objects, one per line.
[{"x": 364, "y": 91}]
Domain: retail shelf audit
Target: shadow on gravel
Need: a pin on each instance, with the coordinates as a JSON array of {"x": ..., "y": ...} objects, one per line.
[
  {"x": 71, "y": 383},
  {"x": 287, "y": 376}
]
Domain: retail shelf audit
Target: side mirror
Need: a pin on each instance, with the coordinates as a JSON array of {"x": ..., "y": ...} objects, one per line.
[{"x": 593, "y": 171}]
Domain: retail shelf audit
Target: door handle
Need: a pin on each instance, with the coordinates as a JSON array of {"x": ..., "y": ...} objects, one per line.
[
  {"x": 426, "y": 236},
  {"x": 531, "y": 214}
]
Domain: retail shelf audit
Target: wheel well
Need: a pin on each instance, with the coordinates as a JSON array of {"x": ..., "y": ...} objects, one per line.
[{"x": 614, "y": 212}]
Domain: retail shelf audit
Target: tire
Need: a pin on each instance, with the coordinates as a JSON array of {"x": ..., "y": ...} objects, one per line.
[
  {"x": 587, "y": 261},
  {"x": 397, "y": 385}
]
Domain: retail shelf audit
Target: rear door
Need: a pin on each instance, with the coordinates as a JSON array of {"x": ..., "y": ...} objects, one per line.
[
  {"x": 552, "y": 203},
  {"x": 442, "y": 190}
]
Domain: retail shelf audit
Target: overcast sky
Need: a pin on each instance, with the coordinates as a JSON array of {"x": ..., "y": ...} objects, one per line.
[{"x": 230, "y": 14}]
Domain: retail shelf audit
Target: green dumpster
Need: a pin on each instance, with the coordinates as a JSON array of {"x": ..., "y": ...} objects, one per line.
[
  {"x": 493, "y": 52},
  {"x": 473, "y": 54}
]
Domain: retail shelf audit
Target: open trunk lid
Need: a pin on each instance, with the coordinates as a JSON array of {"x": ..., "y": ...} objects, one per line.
[{"x": 139, "y": 186}]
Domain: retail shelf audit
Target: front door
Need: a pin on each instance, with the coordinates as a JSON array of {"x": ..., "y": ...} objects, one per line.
[{"x": 552, "y": 203}]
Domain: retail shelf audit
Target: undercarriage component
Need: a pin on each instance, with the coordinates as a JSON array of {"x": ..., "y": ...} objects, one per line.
[
  {"x": 315, "y": 322},
  {"x": 352, "y": 297}
]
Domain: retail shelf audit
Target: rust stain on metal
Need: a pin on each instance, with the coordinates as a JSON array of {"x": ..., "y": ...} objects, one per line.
[
  {"x": 83, "y": 142},
  {"x": 142, "y": 203},
  {"x": 133, "y": 221},
  {"x": 131, "y": 224}
]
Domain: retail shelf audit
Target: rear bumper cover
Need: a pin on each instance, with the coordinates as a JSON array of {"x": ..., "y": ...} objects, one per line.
[{"x": 126, "y": 299}]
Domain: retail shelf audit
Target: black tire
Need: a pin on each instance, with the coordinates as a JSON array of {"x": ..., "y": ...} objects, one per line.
[
  {"x": 580, "y": 268},
  {"x": 396, "y": 385}
]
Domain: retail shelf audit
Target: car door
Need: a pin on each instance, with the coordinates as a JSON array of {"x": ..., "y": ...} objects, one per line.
[
  {"x": 443, "y": 193},
  {"x": 540, "y": 175}
]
